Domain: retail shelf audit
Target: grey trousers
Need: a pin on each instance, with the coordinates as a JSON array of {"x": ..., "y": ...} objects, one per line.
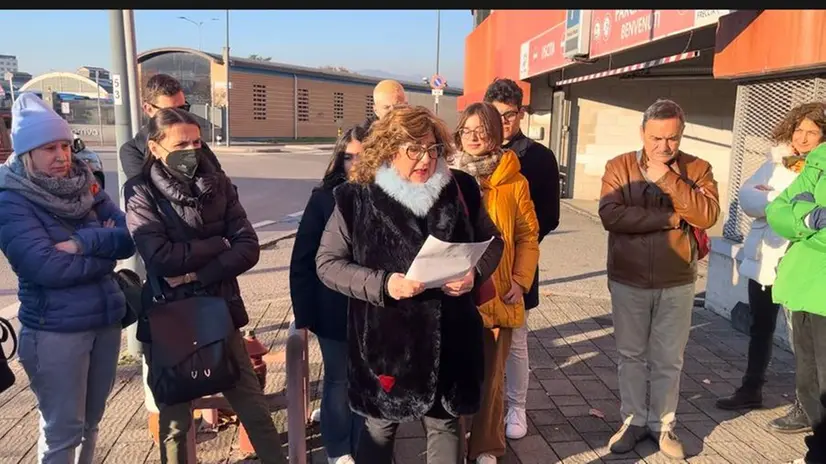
[
  {"x": 651, "y": 327},
  {"x": 810, "y": 359}
]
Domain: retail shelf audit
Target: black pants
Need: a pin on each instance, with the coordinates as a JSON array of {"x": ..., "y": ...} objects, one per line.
[
  {"x": 761, "y": 333},
  {"x": 817, "y": 441},
  {"x": 810, "y": 359},
  {"x": 378, "y": 437}
]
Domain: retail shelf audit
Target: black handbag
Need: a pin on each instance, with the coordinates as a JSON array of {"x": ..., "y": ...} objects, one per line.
[
  {"x": 131, "y": 286},
  {"x": 190, "y": 354},
  {"x": 6, "y": 375}
]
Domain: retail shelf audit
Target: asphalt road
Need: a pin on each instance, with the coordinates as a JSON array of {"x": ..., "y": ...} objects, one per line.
[{"x": 273, "y": 187}]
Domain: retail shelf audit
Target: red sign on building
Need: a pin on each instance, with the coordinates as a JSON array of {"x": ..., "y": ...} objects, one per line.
[
  {"x": 543, "y": 53},
  {"x": 616, "y": 30}
]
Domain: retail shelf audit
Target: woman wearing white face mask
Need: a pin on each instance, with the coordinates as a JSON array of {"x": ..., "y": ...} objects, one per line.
[
  {"x": 63, "y": 237},
  {"x": 413, "y": 353}
]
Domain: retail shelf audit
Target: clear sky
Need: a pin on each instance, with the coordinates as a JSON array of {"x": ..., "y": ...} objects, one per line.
[{"x": 401, "y": 42}]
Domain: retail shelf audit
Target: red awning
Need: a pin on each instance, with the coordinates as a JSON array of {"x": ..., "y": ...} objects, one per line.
[{"x": 632, "y": 68}]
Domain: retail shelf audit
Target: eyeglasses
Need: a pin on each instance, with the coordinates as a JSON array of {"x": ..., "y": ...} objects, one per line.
[
  {"x": 479, "y": 131},
  {"x": 416, "y": 151},
  {"x": 510, "y": 116},
  {"x": 186, "y": 106}
]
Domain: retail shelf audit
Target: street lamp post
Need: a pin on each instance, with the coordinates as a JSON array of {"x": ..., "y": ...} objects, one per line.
[
  {"x": 229, "y": 86},
  {"x": 100, "y": 113},
  {"x": 197, "y": 24},
  {"x": 10, "y": 77},
  {"x": 438, "y": 42}
]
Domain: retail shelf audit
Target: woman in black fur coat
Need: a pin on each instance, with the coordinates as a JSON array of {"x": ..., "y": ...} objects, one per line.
[{"x": 413, "y": 353}]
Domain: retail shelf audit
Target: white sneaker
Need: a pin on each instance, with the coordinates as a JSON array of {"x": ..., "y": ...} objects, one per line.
[
  {"x": 346, "y": 459},
  {"x": 486, "y": 459},
  {"x": 315, "y": 416},
  {"x": 516, "y": 423}
]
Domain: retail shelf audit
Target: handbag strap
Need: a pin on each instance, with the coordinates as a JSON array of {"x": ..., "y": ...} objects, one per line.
[
  {"x": 165, "y": 207},
  {"x": 462, "y": 197},
  {"x": 6, "y": 333}
]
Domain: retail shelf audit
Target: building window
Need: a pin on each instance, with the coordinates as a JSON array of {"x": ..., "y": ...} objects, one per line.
[
  {"x": 259, "y": 102},
  {"x": 303, "y": 105},
  {"x": 338, "y": 106},
  {"x": 368, "y": 107}
]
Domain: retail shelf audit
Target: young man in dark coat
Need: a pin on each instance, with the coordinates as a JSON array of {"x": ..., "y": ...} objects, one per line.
[
  {"x": 540, "y": 168},
  {"x": 161, "y": 91}
]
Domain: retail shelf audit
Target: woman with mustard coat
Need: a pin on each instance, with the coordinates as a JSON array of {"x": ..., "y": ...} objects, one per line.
[{"x": 507, "y": 199}]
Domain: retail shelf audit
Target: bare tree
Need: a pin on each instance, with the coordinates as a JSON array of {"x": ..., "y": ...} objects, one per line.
[{"x": 259, "y": 57}]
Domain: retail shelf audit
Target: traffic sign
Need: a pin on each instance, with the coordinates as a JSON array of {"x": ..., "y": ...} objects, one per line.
[
  {"x": 438, "y": 82},
  {"x": 437, "y": 92}
]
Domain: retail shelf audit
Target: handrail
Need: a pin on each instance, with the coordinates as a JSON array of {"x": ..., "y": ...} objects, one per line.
[{"x": 298, "y": 393}]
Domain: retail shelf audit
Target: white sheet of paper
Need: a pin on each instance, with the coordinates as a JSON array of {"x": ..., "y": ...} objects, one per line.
[{"x": 440, "y": 262}]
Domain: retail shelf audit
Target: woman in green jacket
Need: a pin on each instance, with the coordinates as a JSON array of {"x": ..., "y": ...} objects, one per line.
[{"x": 799, "y": 214}]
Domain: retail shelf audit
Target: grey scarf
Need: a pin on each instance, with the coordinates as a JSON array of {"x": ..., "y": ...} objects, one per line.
[
  {"x": 480, "y": 167},
  {"x": 67, "y": 197}
]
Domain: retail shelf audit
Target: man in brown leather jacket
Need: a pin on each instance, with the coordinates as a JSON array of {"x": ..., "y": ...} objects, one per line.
[{"x": 651, "y": 200}]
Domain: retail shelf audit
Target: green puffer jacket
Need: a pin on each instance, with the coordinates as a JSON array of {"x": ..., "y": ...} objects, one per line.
[{"x": 801, "y": 275}]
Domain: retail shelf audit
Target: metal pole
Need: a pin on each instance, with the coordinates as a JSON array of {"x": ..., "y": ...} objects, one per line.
[
  {"x": 438, "y": 41},
  {"x": 123, "y": 133},
  {"x": 132, "y": 74},
  {"x": 229, "y": 85},
  {"x": 11, "y": 88},
  {"x": 438, "y": 36},
  {"x": 200, "y": 44},
  {"x": 100, "y": 114},
  {"x": 210, "y": 115}
]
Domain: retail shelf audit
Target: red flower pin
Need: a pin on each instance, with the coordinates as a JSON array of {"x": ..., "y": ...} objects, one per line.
[{"x": 387, "y": 382}]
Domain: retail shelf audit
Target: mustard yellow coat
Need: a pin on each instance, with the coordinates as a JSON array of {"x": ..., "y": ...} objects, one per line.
[{"x": 507, "y": 200}]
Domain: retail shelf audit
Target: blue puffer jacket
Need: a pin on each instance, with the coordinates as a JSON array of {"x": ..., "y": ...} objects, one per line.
[{"x": 58, "y": 291}]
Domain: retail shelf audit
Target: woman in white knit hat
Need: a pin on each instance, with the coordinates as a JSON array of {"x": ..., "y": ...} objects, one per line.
[{"x": 63, "y": 237}]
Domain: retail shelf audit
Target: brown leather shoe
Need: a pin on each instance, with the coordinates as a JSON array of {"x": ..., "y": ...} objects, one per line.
[
  {"x": 671, "y": 446},
  {"x": 626, "y": 438}
]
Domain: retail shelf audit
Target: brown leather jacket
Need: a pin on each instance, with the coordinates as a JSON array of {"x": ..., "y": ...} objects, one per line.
[{"x": 650, "y": 242}]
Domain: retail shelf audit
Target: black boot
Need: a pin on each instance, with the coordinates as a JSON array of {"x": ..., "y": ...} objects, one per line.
[
  {"x": 795, "y": 421},
  {"x": 743, "y": 398}
]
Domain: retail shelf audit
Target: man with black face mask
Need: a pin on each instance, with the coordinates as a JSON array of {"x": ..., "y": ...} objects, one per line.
[{"x": 161, "y": 91}]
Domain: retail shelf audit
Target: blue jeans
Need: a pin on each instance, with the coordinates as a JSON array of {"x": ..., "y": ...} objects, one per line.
[
  {"x": 340, "y": 427},
  {"x": 71, "y": 374}
]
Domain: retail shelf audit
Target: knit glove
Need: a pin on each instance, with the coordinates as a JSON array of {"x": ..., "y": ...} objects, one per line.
[{"x": 816, "y": 219}]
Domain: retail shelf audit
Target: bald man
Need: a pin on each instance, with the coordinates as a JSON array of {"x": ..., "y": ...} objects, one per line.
[{"x": 387, "y": 94}]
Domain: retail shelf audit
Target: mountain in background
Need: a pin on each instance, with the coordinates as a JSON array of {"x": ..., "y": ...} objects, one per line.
[{"x": 387, "y": 75}]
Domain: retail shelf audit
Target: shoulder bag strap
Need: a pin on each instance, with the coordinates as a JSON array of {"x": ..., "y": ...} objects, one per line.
[
  {"x": 164, "y": 207},
  {"x": 6, "y": 333},
  {"x": 464, "y": 205}
]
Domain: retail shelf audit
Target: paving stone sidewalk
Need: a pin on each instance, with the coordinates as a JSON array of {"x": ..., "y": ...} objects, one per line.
[{"x": 573, "y": 404}]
